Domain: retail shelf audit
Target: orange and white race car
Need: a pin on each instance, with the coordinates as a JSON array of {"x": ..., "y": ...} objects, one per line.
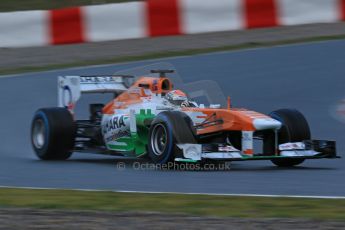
[{"x": 149, "y": 118}]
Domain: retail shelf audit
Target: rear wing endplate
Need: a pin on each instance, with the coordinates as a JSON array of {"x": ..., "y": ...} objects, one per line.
[{"x": 70, "y": 88}]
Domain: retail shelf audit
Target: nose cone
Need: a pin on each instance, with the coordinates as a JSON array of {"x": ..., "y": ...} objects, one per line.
[{"x": 266, "y": 123}]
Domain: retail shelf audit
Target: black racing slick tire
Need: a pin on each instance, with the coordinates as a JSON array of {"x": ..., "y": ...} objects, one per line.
[
  {"x": 168, "y": 129},
  {"x": 53, "y": 133},
  {"x": 294, "y": 128}
]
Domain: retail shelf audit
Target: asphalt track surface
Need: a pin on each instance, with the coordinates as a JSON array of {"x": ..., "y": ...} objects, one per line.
[{"x": 308, "y": 77}]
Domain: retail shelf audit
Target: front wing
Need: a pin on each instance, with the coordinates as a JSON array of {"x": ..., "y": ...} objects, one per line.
[{"x": 308, "y": 149}]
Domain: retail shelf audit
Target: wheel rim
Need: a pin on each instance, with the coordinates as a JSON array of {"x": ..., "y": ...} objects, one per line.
[
  {"x": 159, "y": 139},
  {"x": 38, "y": 134}
]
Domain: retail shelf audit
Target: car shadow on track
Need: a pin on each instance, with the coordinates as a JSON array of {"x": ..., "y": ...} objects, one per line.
[
  {"x": 133, "y": 164},
  {"x": 275, "y": 168}
]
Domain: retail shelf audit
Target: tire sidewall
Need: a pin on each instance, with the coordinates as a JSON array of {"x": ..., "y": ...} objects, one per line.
[
  {"x": 40, "y": 115},
  {"x": 294, "y": 128},
  {"x": 168, "y": 152},
  {"x": 59, "y": 136}
]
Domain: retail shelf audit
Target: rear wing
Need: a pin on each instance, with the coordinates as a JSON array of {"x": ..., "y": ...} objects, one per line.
[{"x": 70, "y": 88}]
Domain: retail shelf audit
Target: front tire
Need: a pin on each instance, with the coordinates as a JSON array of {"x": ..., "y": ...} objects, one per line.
[
  {"x": 294, "y": 128},
  {"x": 53, "y": 133},
  {"x": 168, "y": 129}
]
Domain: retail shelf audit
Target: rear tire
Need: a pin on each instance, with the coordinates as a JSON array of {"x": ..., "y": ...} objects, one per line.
[
  {"x": 168, "y": 129},
  {"x": 294, "y": 128},
  {"x": 52, "y": 133}
]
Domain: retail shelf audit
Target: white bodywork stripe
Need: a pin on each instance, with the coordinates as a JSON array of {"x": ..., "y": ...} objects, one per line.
[
  {"x": 222, "y": 155},
  {"x": 298, "y": 153},
  {"x": 132, "y": 121},
  {"x": 266, "y": 123}
]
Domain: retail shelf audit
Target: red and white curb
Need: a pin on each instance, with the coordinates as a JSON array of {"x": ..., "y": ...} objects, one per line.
[{"x": 153, "y": 18}]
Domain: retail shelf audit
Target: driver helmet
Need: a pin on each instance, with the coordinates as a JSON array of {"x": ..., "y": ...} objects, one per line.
[{"x": 176, "y": 97}]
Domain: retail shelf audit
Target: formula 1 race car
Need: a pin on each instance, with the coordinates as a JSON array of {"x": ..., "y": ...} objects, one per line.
[{"x": 147, "y": 118}]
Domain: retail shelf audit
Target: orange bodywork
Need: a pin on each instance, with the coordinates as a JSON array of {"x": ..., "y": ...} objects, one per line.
[
  {"x": 231, "y": 119},
  {"x": 156, "y": 85},
  {"x": 134, "y": 94},
  {"x": 234, "y": 119}
]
